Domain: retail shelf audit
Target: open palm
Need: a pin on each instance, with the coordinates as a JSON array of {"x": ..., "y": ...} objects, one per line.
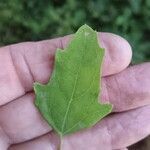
[{"x": 128, "y": 89}]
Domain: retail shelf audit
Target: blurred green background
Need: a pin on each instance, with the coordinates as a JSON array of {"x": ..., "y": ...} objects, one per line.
[{"x": 22, "y": 20}]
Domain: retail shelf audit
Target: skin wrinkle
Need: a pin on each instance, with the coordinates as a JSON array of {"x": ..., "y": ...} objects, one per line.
[
  {"x": 19, "y": 59},
  {"x": 105, "y": 97},
  {"x": 131, "y": 86},
  {"x": 14, "y": 144},
  {"x": 135, "y": 116},
  {"x": 129, "y": 125},
  {"x": 51, "y": 58},
  {"x": 126, "y": 89},
  {"x": 107, "y": 90},
  {"x": 134, "y": 75},
  {"x": 7, "y": 140},
  {"x": 30, "y": 75},
  {"x": 109, "y": 131},
  {"x": 28, "y": 68},
  {"x": 141, "y": 93},
  {"x": 119, "y": 95},
  {"x": 116, "y": 138},
  {"x": 1, "y": 128},
  {"x": 12, "y": 60},
  {"x": 26, "y": 63},
  {"x": 52, "y": 139},
  {"x": 5, "y": 105},
  {"x": 124, "y": 127}
]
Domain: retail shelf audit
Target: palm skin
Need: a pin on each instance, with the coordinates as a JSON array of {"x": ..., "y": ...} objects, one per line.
[{"x": 127, "y": 88}]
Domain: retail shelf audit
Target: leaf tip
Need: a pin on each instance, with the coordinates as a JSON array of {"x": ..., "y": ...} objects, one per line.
[{"x": 86, "y": 28}]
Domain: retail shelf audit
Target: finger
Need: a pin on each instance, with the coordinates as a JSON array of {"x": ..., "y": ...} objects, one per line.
[
  {"x": 22, "y": 64},
  {"x": 21, "y": 121},
  {"x": 45, "y": 142},
  {"x": 114, "y": 132},
  {"x": 128, "y": 89}
]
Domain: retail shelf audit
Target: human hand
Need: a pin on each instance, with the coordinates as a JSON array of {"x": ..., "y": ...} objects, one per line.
[{"x": 126, "y": 88}]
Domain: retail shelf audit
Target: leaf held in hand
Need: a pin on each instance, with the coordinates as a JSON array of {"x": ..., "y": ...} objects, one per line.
[{"x": 69, "y": 102}]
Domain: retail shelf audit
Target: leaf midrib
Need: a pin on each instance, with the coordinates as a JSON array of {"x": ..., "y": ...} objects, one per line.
[{"x": 71, "y": 98}]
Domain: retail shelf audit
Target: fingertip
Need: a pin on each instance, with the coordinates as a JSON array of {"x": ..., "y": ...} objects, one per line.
[{"x": 118, "y": 53}]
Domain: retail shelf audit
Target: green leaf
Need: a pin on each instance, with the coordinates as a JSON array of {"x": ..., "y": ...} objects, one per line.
[{"x": 69, "y": 102}]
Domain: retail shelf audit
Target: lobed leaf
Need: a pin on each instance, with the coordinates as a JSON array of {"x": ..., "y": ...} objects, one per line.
[{"x": 69, "y": 102}]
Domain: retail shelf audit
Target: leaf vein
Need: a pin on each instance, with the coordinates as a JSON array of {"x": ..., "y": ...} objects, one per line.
[{"x": 71, "y": 98}]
